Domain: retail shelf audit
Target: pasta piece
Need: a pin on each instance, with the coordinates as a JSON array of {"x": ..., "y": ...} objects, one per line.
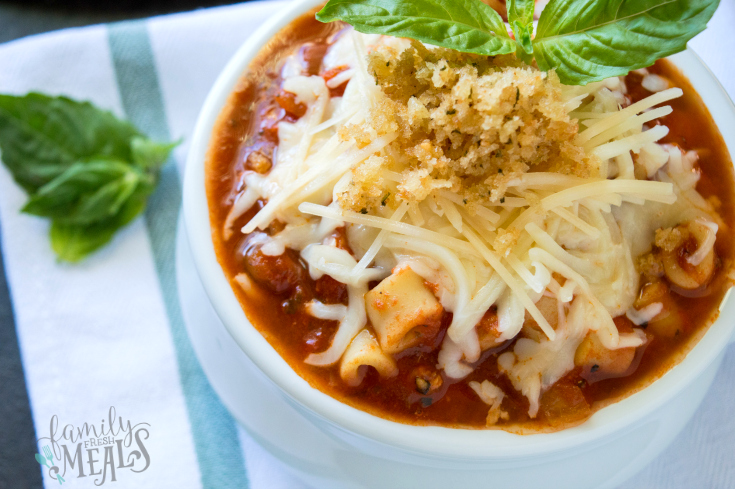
[
  {"x": 365, "y": 351},
  {"x": 488, "y": 333},
  {"x": 699, "y": 266},
  {"x": 668, "y": 322},
  {"x": 452, "y": 356},
  {"x": 644, "y": 315},
  {"x": 534, "y": 366},
  {"x": 330, "y": 312},
  {"x": 247, "y": 284},
  {"x": 403, "y": 312},
  {"x": 491, "y": 395},
  {"x": 595, "y": 359},
  {"x": 453, "y": 267}
]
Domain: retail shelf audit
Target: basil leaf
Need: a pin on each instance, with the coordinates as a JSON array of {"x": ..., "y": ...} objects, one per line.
[
  {"x": 105, "y": 201},
  {"x": 469, "y": 26},
  {"x": 42, "y": 136},
  {"x": 59, "y": 197},
  {"x": 149, "y": 154},
  {"x": 590, "y": 40},
  {"x": 73, "y": 242},
  {"x": 521, "y": 11},
  {"x": 523, "y": 35},
  {"x": 520, "y": 17},
  {"x": 89, "y": 192}
]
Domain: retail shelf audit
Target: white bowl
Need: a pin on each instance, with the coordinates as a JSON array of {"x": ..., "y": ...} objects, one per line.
[{"x": 331, "y": 444}]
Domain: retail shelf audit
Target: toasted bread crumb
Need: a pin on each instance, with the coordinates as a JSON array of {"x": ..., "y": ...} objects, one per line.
[{"x": 465, "y": 123}]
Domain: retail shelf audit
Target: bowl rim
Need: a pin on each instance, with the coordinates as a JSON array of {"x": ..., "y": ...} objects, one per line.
[{"x": 465, "y": 444}]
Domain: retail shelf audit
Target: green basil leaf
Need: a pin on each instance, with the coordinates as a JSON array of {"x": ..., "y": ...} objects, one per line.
[
  {"x": 149, "y": 154},
  {"x": 523, "y": 35},
  {"x": 73, "y": 242},
  {"x": 590, "y": 40},
  {"x": 42, "y": 136},
  {"x": 520, "y": 18},
  {"x": 60, "y": 197},
  {"x": 104, "y": 202},
  {"x": 469, "y": 26},
  {"x": 89, "y": 193},
  {"x": 521, "y": 11}
]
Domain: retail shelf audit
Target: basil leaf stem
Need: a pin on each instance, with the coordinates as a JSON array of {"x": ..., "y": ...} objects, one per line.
[
  {"x": 521, "y": 11},
  {"x": 520, "y": 18}
]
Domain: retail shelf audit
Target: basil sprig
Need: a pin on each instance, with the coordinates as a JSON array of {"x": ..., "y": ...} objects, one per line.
[
  {"x": 88, "y": 171},
  {"x": 583, "y": 40}
]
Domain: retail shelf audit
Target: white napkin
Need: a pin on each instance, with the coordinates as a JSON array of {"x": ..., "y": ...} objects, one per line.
[{"x": 107, "y": 332}]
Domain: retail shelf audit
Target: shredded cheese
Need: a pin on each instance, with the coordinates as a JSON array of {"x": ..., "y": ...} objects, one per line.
[{"x": 492, "y": 208}]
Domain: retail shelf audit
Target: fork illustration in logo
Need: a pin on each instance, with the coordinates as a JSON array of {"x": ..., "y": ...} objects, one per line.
[{"x": 47, "y": 459}]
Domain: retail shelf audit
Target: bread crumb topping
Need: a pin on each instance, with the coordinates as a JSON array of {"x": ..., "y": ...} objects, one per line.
[{"x": 466, "y": 123}]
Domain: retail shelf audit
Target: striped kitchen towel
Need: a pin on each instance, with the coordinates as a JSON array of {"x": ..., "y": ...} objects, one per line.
[{"x": 109, "y": 331}]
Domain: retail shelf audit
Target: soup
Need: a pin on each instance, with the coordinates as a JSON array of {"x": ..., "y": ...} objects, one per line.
[{"x": 516, "y": 260}]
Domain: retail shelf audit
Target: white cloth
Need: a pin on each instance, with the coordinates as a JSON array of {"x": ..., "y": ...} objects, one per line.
[{"x": 97, "y": 334}]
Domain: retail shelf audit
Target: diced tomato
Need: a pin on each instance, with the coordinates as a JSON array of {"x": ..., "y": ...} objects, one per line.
[
  {"x": 329, "y": 74},
  {"x": 287, "y": 101}
]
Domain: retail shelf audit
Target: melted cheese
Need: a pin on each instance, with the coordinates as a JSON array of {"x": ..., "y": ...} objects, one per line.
[{"x": 477, "y": 254}]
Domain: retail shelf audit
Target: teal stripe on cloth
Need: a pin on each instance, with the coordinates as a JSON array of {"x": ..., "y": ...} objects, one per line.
[{"x": 215, "y": 433}]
